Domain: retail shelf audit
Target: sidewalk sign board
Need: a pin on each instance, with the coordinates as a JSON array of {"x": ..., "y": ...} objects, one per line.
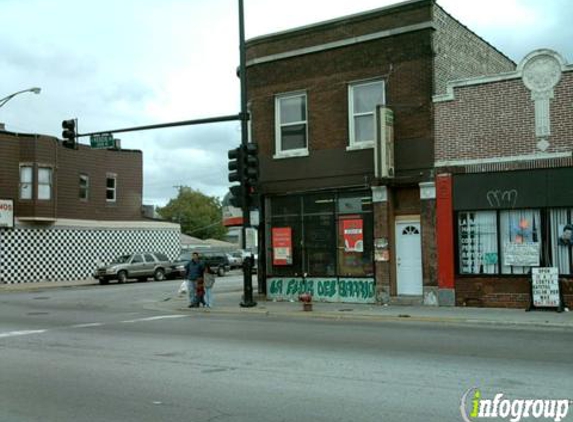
[{"x": 545, "y": 289}]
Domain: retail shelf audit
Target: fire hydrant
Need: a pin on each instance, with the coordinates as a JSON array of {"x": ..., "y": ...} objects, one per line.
[{"x": 306, "y": 299}]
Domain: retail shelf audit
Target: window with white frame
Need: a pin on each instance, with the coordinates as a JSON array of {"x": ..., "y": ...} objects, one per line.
[
  {"x": 26, "y": 182},
  {"x": 111, "y": 188},
  {"x": 45, "y": 183},
  {"x": 84, "y": 187},
  {"x": 363, "y": 97},
  {"x": 291, "y": 125}
]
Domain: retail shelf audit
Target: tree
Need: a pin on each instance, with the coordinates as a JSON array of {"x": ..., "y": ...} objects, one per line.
[{"x": 198, "y": 214}]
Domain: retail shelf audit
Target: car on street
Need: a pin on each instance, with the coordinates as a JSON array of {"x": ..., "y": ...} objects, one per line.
[
  {"x": 216, "y": 260},
  {"x": 140, "y": 266},
  {"x": 235, "y": 260}
]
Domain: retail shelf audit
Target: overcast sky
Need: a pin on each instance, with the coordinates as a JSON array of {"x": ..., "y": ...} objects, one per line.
[{"x": 116, "y": 64}]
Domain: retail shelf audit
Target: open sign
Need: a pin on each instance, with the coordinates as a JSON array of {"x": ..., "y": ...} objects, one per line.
[{"x": 6, "y": 213}]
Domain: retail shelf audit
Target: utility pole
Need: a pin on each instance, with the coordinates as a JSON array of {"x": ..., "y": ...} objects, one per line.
[{"x": 248, "y": 301}]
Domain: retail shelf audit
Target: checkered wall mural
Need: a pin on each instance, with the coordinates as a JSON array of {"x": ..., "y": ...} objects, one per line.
[{"x": 58, "y": 254}]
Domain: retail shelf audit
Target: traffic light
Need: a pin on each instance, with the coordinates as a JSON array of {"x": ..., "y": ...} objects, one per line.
[
  {"x": 244, "y": 169},
  {"x": 235, "y": 165},
  {"x": 251, "y": 163},
  {"x": 236, "y": 198},
  {"x": 69, "y": 133}
]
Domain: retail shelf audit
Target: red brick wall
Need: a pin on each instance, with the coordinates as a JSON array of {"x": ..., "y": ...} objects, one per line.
[
  {"x": 509, "y": 293},
  {"x": 403, "y": 61},
  {"x": 67, "y": 165},
  {"x": 498, "y": 120},
  {"x": 462, "y": 54},
  {"x": 340, "y": 29}
]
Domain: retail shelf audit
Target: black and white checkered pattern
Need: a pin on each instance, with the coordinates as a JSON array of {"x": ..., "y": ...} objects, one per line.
[{"x": 59, "y": 254}]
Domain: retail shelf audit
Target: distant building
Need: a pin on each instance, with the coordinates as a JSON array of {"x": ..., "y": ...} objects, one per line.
[
  {"x": 346, "y": 214},
  {"x": 504, "y": 165},
  {"x": 70, "y": 209}
]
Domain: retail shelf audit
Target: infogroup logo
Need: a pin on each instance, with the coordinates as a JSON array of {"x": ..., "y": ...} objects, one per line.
[{"x": 474, "y": 408}]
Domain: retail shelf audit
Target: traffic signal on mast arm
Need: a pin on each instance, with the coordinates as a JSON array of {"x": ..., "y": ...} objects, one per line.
[
  {"x": 69, "y": 133},
  {"x": 236, "y": 175},
  {"x": 251, "y": 164},
  {"x": 235, "y": 165},
  {"x": 237, "y": 196}
]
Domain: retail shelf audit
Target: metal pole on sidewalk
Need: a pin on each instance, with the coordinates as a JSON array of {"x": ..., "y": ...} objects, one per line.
[{"x": 248, "y": 265}]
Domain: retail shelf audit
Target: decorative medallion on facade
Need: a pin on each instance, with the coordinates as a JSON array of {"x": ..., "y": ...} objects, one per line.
[{"x": 541, "y": 72}]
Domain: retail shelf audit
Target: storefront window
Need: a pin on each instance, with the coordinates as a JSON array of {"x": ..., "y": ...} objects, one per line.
[
  {"x": 285, "y": 252},
  {"x": 320, "y": 245},
  {"x": 351, "y": 204},
  {"x": 561, "y": 229},
  {"x": 477, "y": 240},
  {"x": 355, "y": 239},
  {"x": 520, "y": 242},
  {"x": 506, "y": 242},
  {"x": 330, "y": 235}
]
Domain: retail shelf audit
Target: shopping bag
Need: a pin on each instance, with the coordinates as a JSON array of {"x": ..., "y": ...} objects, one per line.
[{"x": 183, "y": 289}]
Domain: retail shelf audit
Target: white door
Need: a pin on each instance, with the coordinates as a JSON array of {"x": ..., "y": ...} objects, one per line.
[{"x": 408, "y": 258}]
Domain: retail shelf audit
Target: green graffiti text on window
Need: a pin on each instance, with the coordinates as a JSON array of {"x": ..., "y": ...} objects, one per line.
[{"x": 327, "y": 289}]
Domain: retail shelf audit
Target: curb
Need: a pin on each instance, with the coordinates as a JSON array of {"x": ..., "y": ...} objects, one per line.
[{"x": 264, "y": 311}]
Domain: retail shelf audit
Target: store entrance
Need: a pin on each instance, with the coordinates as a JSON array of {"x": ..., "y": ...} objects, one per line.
[{"x": 409, "y": 258}]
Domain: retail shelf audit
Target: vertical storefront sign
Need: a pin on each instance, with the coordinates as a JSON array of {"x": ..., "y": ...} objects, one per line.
[
  {"x": 353, "y": 235},
  {"x": 282, "y": 245}
]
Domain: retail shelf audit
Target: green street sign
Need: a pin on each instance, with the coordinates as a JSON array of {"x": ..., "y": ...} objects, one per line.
[{"x": 102, "y": 141}]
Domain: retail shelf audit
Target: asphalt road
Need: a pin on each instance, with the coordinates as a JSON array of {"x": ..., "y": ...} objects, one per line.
[{"x": 104, "y": 353}]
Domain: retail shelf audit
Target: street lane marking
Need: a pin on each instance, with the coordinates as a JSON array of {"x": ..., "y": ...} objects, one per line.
[
  {"x": 155, "y": 318},
  {"x": 21, "y": 333},
  {"x": 90, "y": 324}
]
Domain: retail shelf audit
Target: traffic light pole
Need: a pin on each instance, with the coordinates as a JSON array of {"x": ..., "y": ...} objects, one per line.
[{"x": 248, "y": 301}]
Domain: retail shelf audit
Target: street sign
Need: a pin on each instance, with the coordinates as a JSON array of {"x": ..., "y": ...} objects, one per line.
[{"x": 103, "y": 141}]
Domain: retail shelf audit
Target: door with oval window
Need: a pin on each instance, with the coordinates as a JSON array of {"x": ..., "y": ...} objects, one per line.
[{"x": 409, "y": 258}]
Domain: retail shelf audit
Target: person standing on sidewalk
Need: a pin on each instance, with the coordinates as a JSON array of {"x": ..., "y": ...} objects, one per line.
[
  {"x": 209, "y": 280},
  {"x": 193, "y": 271}
]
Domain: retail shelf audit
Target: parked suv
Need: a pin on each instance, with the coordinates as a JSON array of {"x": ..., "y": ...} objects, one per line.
[
  {"x": 140, "y": 266},
  {"x": 218, "y": 261},
  {"x": 235, "y": 259}
]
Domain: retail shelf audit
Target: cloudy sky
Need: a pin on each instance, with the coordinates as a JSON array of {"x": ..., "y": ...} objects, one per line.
[{"x": 116, "y": 64}]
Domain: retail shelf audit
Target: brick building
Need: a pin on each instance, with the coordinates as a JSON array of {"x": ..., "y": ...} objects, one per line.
[
  {"x": 333, "y": 223},
  {"x": 504, "y": 168},
  {"x": 64, "y": 210}
]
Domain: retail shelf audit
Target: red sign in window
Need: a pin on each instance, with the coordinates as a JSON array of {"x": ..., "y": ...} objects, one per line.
[
  {"x": 282, "y": 245},
  {"x": 353, "y": 235}
]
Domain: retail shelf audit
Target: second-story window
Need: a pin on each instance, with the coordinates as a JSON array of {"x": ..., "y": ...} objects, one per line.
[
  {"x": 111, "y": 187},
  {"x": 363, "y": 97},
  {"x": 291, "y": 125},
  {"x": 26, "y": 182},
  {"x": 84, "y": 187},
  {"x": 45, "y": 183}
]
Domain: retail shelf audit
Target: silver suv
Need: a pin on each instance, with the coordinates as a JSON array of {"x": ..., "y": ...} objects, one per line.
[{"x": 140, "y": 266}]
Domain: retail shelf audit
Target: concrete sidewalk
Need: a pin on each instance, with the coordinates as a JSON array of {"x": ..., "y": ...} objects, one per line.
[{"x": 227, "y": 302}]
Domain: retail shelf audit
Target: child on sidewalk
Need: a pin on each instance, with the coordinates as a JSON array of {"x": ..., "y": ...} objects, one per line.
[
  {"x": 200, "y": 292},
  {"x": 209, "y": 280}
]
